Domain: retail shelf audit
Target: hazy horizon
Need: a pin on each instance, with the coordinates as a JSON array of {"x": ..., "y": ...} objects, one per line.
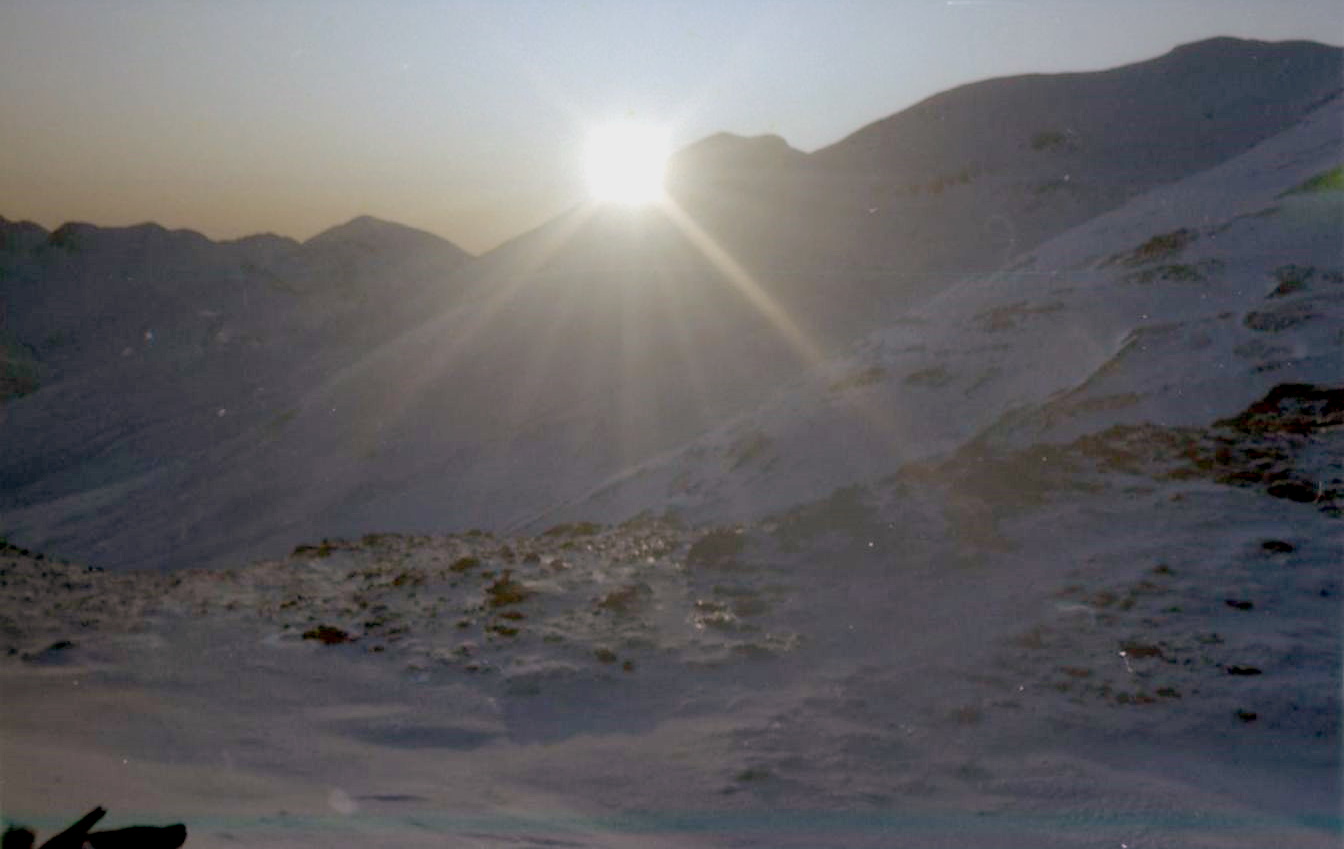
[{"x": 466, "y": 119}]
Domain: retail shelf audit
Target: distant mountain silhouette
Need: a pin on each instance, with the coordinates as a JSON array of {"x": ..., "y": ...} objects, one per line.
[
  {"x": 82, "y": 289},
  {"x": 374, "y": 234},
  {"x": 138, "y": 351},
  {"x": 727, "y": 159},
  {"x": 190, "y": 401},
  {"x": 367, "y": 246}
]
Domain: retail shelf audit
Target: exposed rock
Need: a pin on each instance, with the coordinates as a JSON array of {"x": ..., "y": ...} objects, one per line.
[
  {"x": 1297, "y": 408},
  {"x": 1303, "y": 492},
  {"x": 716, "y": 548},
  {"x": 505, "y": 591},
  {"x": 328, "y": 635}
]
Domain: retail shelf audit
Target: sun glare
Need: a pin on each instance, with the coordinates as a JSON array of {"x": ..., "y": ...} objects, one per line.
[{"x": 625, "y": 163}]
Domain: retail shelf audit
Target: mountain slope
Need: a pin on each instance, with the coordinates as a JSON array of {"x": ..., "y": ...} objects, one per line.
[
  {"x": 1181, "y": 306},
  {"x": 140, "y": 351},
  {"x": 1112, "y": 647},
  {"x": 649, "y": 350},
  {"x": 968, "y": 177}
]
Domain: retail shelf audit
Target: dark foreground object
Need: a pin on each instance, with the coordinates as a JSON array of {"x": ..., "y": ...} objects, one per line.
[{"x": 78, "y": 835}]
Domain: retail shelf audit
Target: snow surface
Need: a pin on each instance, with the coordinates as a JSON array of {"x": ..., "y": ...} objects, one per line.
[{"x": 978, "y": 652}]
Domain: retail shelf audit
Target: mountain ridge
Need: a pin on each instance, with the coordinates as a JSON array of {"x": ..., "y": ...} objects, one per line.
[{"x": 259, "y": 407}]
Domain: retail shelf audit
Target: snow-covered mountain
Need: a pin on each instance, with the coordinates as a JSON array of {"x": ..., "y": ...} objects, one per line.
[
  {"x": 1034, "y": 553},
  {"x": 613, "y": 362},
  {"x": 81, "y": 295},
  {"x": 1180, "y": 307},
  {"x": 969, "y": 177},
  {"x": 136, "y": 354}
]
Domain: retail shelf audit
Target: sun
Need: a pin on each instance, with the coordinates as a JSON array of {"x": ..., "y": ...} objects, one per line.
[{"x": 625, "y": 163}]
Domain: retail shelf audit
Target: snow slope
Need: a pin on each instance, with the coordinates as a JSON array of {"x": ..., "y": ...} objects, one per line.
[
  {"x": 147, "y": 356},
  {"x": 1178, "y": 308},
  {"x": 1111, "y": 648}
]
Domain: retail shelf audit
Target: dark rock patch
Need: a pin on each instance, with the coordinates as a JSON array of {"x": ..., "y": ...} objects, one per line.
[
  {"x": 327, "y": 635},
  {"x": 716, "y": 548},
  {"x": 1303, "y": 492}
]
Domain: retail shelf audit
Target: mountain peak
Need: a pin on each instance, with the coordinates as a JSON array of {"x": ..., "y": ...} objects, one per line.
[
  {"x": 364, "y": 227},
  {"x": 16, "y": 235},
  {"x": 729, "y": 146},
  {"x": 1224, "y": 44},
  {"x": 375, "y": 234},
  {"x": 732, "y": 157},
  {"x": 1222, "y": 51}
]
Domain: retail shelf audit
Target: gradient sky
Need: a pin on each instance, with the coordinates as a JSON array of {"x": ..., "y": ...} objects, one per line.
[{"x": 467, "y": 118}]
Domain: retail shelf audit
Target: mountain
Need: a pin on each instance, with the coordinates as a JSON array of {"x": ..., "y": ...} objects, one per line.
[
  {"x": 961, "y": 181},
  {"x": 139, "y": 352},
  {"x": 848, "y": 237},
  {"x": 613, "y": 361},
  {"x": 1034, "y": 553},
  {"x": 81, "y": 293},
  {"x": 1180, "y": 307},
  {"x": 725, "y": 161},
  {"x": 380, "y": 254}
]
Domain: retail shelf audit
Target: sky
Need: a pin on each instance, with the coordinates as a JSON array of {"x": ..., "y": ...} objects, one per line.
[{"x": 468, "y": 119}]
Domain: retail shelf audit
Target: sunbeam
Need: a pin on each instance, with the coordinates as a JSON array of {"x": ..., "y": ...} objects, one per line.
[
  {"x": 882, "y": 418},
  {"x": 447, "y": 339},
  {"x": 807, "y": 350}
]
